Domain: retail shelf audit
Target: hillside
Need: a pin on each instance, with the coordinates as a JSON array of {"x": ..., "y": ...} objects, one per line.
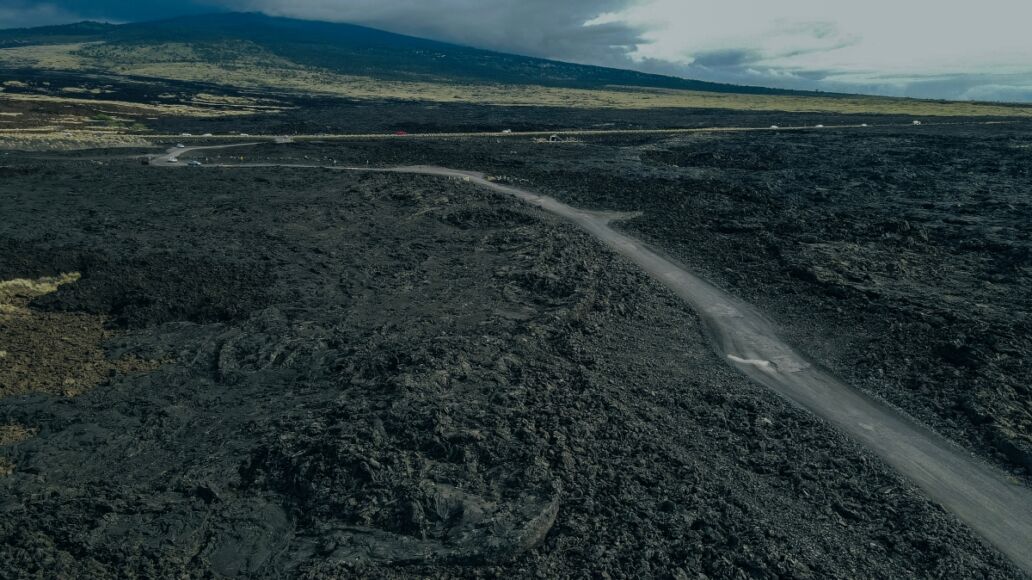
[
  {"x": 345, "y": 49},
  {"x": 123, "y": 79}
]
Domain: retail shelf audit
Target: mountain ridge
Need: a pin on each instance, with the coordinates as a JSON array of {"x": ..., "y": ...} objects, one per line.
[{"x": 360, "y": 50}]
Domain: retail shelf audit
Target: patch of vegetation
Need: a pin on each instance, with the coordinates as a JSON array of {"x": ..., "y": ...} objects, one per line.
[
  {"x": 118, "y": 123},
  {"x": 54, "y": 352},
  {"x": 259, "y": 53},
  {"x": 49, "y": 56},
  {"x": 55, "y": 140},
  {"x": 242, "y": 69},
  {"x": 11, "y": 434}
]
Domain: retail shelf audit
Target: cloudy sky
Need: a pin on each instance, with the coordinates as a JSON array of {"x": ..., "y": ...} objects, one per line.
[{"x": 921, "y": 48}]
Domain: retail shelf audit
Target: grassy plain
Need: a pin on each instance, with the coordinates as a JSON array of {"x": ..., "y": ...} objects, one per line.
[{"x": 243, "y": 65}]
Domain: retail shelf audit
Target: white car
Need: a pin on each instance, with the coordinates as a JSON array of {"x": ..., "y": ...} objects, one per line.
[
  {"x": 820, "y": 126},
  {"x": 173, "y": 160},
  {"x": 507, "y": 131},
  {"x": 774, "y": 127},
  {"x": 194, "y": 163},
  {"x": 207, "y": 135},
  {"x": 186, "y": 135},
  {"x": 917, "y": 122},
  {"x": 180, "y": 146},
  {"x": 863, "y": 125}
]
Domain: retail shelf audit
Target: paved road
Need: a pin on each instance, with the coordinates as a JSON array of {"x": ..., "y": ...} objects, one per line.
[
  {"x": 545, "y": 134},
  {"x": 171, "y": 157},
  {"x": 997, "y": 508}
]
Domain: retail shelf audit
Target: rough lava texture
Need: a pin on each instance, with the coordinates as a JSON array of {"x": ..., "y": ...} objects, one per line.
[
  {"x": 900, "y": 257},
  {"x": 406, "y": 377}
]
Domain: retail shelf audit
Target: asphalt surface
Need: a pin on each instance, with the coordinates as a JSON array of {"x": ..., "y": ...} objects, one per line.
[
  {"x": 562, "y": 134},
  {"x": 993, "y": 505}
]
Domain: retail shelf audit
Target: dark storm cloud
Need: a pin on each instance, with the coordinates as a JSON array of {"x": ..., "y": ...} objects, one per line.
[
  {"x": 24, "y": 14},
  {"x": 556, "y": 29},
  {"x": 532, "y": 27},
  {"x": 749, "y": 65},
  {"x": 968, "y": 87},
  {"x": 743, "y": 72},
  {"x": 18, "y": 13},
  {"x": 727, "y": 58},
  {"x": 826, "y": 37}
]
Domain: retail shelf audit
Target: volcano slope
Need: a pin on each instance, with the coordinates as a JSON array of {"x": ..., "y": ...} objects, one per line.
[{"x": 398, "y": 376}]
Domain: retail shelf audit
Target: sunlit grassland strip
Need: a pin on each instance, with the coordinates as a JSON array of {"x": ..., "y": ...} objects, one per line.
[{"x": 244, "y": 69}]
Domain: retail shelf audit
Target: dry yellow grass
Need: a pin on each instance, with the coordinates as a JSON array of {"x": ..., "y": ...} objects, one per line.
[
  {"x": 16, "y": 294},
  {"x": 49, "y": 56},
  {"x": 53, "y": 352},
  {"x": 245, "y": 65},
  {"x": 83, "y": 91},
  {"x": 71, "y": 121},
  {"x": 322, "y": 82},
  {"x": 11, "y": 434},
  {"x": 210, "y": 99},
  {"x": 239, "y": 52},
  {"x": 57, "y": 139},
  {"x": 126, "y": 107}
]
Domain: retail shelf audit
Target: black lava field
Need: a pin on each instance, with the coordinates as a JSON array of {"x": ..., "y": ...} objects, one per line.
[{"x": 392, "y": 376}]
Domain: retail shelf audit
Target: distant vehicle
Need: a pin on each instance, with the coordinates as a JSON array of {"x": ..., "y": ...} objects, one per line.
[
  {"x": 244, "y": 135},
  {"x": 173, "y": 160},
  {"x": 180, "y": 146},
  {"x": 400, "y": 133},
  {"x": 820, "y": 126},
  {"x": 774, "y": 127},
  {"x": 863, "y": 125},
  {"x": 507, "y": 131},
  {"x": 207, "y": 135},
  {"x": 194, "y": 163},
  {"x": 917, "y": 122},
  {"x": 186, "y": 135}
]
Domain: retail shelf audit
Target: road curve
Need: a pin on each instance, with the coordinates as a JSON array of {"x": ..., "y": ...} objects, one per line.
[
  {"x": 171, "y": 156},
  {"x": 984, "y": 498}
]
